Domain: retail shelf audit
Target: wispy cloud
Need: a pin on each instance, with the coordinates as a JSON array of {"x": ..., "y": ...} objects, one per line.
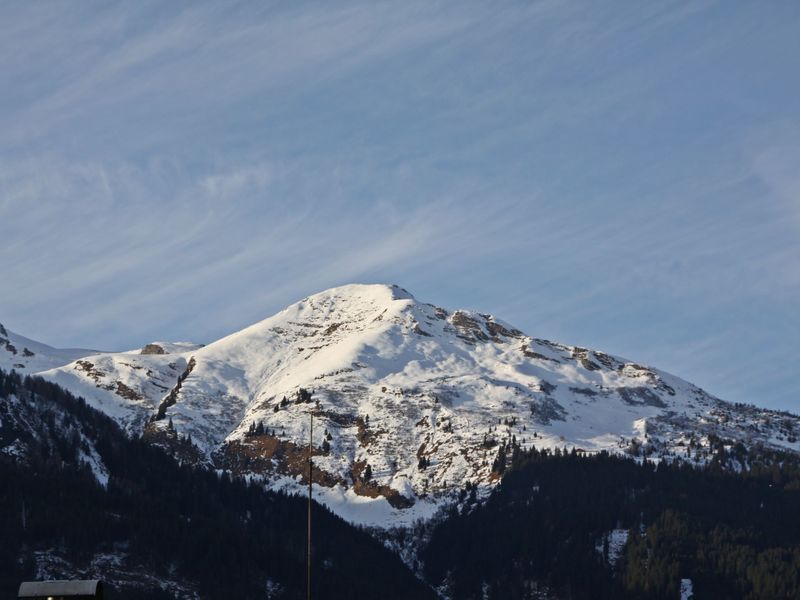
[
  {"x": 210, "y": 54},
  {"x": 619, "y": 178},
  {"x": 778, "y": 166}
]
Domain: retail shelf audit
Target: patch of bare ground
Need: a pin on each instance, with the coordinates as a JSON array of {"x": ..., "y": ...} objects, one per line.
[
  {"x": 546, "y": 387},
  {"x": 633, "y": 370},
  {"x": 306, "y": 329},
  {"x": 497, "y": 331},
  {"x": 469, "y": 328},
  {"x": 419, "y": 331},
  {"x": 554, "y": 346},
  {"x": 640, "y": 396},
  {"x": 136, "y": 367},
  {"x": 264, "y": 454},
  {"x": 128, "y": 393},
  {"x": 94, "y": 373},
  {"x": 340, "y": 419},
  {"x": 365, "y": 435},
  {"x": 607, "y": 361},
  {"x": 334, "y": 373},
  {"x": 531, "y": 354},
  {"x": 331, "y": 328},
  {"x": 363, "y": 485},
  {"x": 584, "y": 391},
  {"x": 421, "y": 449},
  {"x": 582, "y": 356},
  {"x": 308, "y": 325}
]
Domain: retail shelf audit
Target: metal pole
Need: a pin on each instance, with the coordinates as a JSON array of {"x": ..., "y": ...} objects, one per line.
[{"x": 310, "y": 472}]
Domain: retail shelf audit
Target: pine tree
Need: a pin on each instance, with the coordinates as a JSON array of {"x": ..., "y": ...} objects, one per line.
[{"x": 499, "y": 464}]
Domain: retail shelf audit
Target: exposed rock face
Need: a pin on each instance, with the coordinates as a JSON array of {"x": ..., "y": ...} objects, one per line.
[
  {"x": 172, "y": 397},
  {"x": 411, "y": 401},
  {"x": 153, "y": 349}
]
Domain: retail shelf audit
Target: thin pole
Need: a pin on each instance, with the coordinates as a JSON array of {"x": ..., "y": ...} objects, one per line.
[{"x": 310, "y": 471}]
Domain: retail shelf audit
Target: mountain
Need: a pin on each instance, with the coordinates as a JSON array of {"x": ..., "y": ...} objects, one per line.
[
  {"x": 80, "y": 499},
  {"x": 83, "y": 500},
  {"x": 28, "y": 356},
  {"x": 410, "y": 402}
]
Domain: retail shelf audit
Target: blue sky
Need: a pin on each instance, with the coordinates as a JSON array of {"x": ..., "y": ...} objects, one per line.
[{"x": 623, "y": 176}]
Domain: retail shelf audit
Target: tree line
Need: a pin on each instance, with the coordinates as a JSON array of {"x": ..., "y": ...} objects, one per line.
[
  {"x": 735, "y": 534},
  {"x": 227, "y": 536}
]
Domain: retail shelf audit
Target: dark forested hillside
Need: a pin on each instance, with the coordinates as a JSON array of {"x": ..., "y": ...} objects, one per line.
[
  {"x": 158, "y": 524},
  {"x": 545, "y": 530},
  {"x": 80, "y": 498}
]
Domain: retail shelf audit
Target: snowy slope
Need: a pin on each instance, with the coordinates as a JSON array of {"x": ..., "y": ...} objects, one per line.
[
  {"x": 420, "y": 396},
  {"x": 28, "y": 356}
]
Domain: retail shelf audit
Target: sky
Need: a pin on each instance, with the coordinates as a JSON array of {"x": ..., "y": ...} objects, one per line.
[{"x": 621, "y": 176}]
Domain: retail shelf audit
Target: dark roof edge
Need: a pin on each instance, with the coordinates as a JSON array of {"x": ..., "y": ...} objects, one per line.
[{"x": 33, "y": 589}]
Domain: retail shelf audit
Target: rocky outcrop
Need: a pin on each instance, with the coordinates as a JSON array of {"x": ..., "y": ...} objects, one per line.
[
  {"x": 153, "y": 349},
  {"x": 172, "y": 397}
]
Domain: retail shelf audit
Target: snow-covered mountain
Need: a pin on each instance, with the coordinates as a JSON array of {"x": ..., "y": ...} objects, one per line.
[
  {"x": 28, "y": 356},
  {"x": 410, "y": 401}
]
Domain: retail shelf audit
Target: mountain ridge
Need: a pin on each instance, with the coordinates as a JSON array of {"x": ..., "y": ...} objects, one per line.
[{"x": 412, "y": 401}]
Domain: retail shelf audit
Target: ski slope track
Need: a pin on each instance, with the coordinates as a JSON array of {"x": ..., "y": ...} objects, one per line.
[{"x": 411, "y": 401}]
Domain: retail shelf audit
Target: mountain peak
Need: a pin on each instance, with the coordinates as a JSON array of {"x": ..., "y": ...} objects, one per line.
[
  {"x": 411, "y": 401},
  {"x": 375, "y": 293}
]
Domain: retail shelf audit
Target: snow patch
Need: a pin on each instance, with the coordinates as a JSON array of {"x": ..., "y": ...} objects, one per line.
[{"x": 612, "y": 544}]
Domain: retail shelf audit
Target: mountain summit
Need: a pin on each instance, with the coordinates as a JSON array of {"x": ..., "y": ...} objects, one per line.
[{"x": 411, "y": 401}]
